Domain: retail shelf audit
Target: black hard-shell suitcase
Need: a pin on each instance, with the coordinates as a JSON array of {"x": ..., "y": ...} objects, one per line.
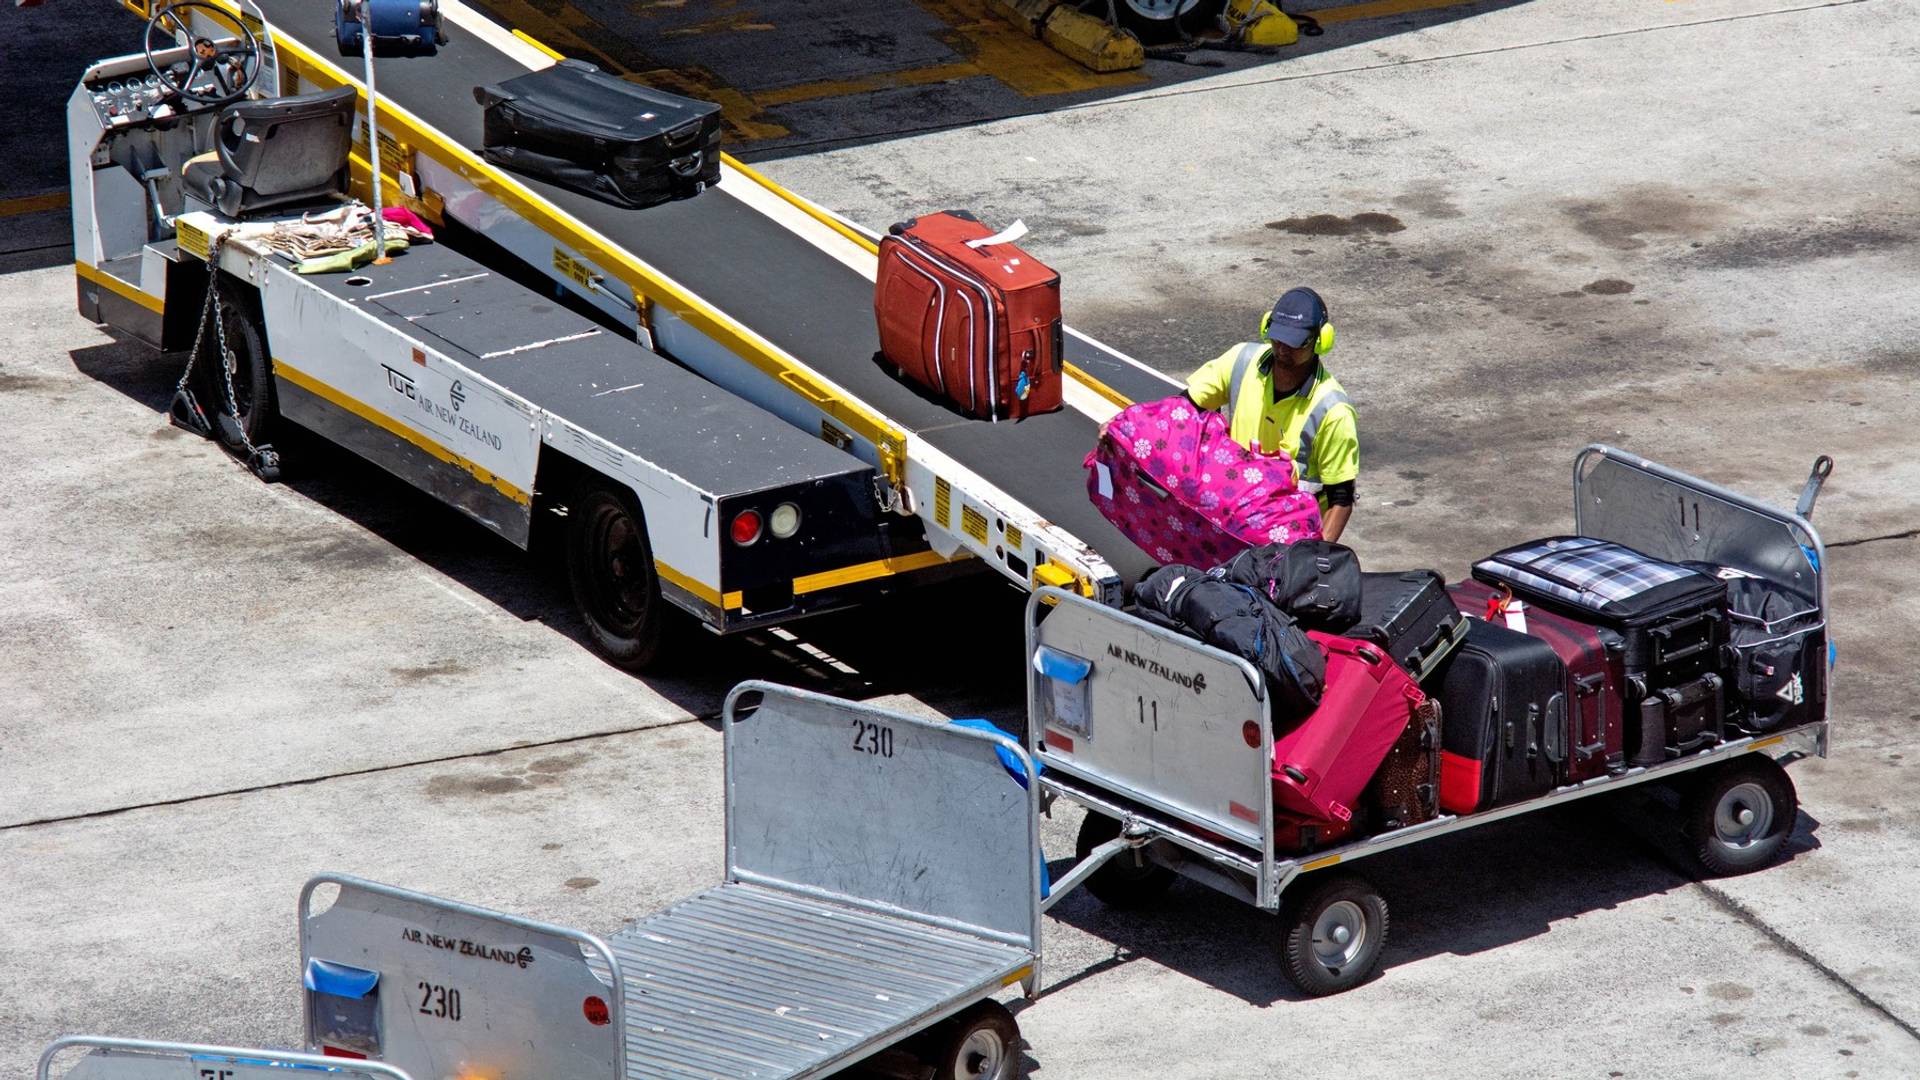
[
  {"x": 602, "y": 136},
  {"x": 1502, "y": 718},
  {"x": 1679, "y": 720},
  {"x": 1318, "y": 582},
  {"x": 1409, "y": 614},
  {"x": 1673, "y": 618}
]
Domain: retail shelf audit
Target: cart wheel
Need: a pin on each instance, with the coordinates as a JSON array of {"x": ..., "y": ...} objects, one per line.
[
  {"x": 1335, "y": 933},
  {"x": 982, "y": 1043},
  {"x": 1737, "y": 817},
  {"x": 1129, "y": 879},
  {"x": 1155, "y": 21},
  {"x": 610, "y": 566}
]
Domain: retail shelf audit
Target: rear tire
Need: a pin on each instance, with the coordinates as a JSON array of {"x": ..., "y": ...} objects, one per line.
[
  {"x": 1129, "y": 879},
  {"x": 981, "y": 1043},
  {"x": 1738, "y": 816},
  {"x": 1336, "y": 930},
  {"x": 610, "y": 567},
  {"x": 244, "y": 357}
]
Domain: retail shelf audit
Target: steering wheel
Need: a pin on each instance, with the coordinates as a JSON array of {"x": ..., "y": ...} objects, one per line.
[{"x": 234, "y": 68}]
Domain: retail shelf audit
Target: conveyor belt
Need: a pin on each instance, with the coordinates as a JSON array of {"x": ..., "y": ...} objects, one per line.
[{"x": 799, "y": 297}]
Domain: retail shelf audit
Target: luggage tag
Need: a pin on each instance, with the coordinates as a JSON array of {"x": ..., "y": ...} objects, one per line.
[
  {"x": 1103, "y": 477},
  {"x": 1515, "y": 615}
]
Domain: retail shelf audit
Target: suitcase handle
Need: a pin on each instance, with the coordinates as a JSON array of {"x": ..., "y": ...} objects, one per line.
[
  {"x": 1152, "y": 483},
  {"x": 685, "y": 166}
]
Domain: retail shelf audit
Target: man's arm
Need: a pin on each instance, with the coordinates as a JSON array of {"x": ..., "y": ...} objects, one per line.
[{"x": 1336, "y": 463}]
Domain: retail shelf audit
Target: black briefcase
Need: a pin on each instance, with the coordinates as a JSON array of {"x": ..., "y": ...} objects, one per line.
[{"x": 585, "y": 130}]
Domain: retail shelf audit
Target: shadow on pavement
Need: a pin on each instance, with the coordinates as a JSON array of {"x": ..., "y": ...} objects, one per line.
[{"x": 1461, "y": 894}]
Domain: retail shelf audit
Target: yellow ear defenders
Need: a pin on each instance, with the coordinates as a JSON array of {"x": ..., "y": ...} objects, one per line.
[{"x": 1322, "y": 342}]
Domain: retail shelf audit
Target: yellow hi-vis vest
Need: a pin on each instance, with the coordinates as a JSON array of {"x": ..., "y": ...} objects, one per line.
[{"x": 1316, "y": 424}]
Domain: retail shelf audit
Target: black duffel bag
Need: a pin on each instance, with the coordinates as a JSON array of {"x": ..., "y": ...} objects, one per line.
[
  {"x": 1779, "y": 644},
  {"x": 1239, "y": 620},
  {"x": 1315, "y": 581},
  {"x": 585, "y": 130}
]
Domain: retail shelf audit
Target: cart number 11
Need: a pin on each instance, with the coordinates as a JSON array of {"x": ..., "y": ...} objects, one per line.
[{"x": 873, "y": 739}]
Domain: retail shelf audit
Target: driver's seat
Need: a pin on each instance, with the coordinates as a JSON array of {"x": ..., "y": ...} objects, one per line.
[{"x": 274, "y": 152}]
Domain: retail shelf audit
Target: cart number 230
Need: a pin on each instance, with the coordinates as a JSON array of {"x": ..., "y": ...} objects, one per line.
[
  {"x": 440, "y": 1001},
  {"x": 871, "y": 738}
]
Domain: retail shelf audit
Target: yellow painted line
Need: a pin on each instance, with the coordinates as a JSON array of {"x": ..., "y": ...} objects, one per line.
[
  {"x": 867, "y": 571},
  {"x": 729, "y": 602},
  {"x": 801, "y": 204},
  {"x": 120, "y": 288},
  {"x": 538, "y": 44},
  {"x": 393, "y": 427},
  {"x": 1098, "y": 387},
  {"x": 886, "y": 80},
  {"x": 1377, "y": 9},
  {"x": 33, "y": 204},
  {"x": 642, "y": 279},
  {"x": 1319, "y": 863}
]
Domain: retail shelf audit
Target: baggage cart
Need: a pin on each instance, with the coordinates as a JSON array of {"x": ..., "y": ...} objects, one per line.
[
  {"x": 147, "y": 1059},
  {"x": 882, "y": 883},
  {"x": 1167, "y": 742}
]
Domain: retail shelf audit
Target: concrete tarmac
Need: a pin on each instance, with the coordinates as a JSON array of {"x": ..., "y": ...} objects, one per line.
[{"x": 1688, "y": 229}]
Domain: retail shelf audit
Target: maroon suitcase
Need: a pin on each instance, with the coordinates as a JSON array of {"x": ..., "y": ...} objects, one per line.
[
  {"x": 977, "y": 323},
  {"x": 1596, "y": 661}
]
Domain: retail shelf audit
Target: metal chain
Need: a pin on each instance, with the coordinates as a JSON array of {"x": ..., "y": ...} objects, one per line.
[
  {"x": 213, "y": 294},
  {"x": 226, "y": 371}
]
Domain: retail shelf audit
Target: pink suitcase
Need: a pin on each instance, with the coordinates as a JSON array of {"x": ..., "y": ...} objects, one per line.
[
  {"x": 1321, "y": 767},
  {"x": 1169, "y": 476}
]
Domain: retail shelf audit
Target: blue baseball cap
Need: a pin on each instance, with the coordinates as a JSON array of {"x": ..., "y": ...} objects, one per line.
[{"x": 1297, "y": 316}]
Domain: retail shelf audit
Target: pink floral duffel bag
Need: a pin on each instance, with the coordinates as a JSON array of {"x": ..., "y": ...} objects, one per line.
[{"x": 1170, "y": 477}]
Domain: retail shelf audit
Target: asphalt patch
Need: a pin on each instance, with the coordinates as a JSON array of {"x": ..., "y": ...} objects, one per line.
[{"x": 1361, "y": 224}]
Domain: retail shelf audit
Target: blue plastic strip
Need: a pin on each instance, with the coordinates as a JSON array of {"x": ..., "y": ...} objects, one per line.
[
  {"x": 1059, "y": 666},
  {"x": 1014, "y": 769},
  {"x": 327, "y": 977}
]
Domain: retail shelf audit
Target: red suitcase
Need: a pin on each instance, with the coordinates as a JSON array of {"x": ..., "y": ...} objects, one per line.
[
  {"x": 980, "y": 325},
  {"x": 1596, "y": 661},
  {"x": 1322, "y": 765}
]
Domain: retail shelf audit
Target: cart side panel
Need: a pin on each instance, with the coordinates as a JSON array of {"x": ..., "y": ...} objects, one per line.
[
  {"x": 1670, "y": 515},
  {"x": 922, "y": 819},
  {"x": 141, "y": 1059},
  {"x": 1163, "y": 719},
  {"x": 444, "y": 989}
]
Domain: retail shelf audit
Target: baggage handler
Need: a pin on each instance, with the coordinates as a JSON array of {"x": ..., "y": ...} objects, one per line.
[{"x": 1289, "y": 401}]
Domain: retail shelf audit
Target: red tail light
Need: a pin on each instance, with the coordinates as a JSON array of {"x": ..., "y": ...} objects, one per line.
[
  {"x": 596, "y": 1012},
  {"x": 746, "y": 527},
  {"x": 334, "y": 1051},
  {"x": 1250, "y": 731}
]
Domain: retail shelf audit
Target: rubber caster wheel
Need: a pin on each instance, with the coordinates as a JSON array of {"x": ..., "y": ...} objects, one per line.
[
  {"x": 610, "y": 568},
  {"x": 1738, "y": 816},
  {"x": 1129, "y": 879},
  {"x": 1335, "y": 932},
  {"x": 982, "y": 1043}
]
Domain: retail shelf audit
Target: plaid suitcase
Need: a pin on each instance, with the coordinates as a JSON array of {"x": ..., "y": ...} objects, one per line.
[{"x": 1673, "y": 618}]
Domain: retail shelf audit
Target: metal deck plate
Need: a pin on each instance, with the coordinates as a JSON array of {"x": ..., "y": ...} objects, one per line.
[{"x": 745, "y": 980}]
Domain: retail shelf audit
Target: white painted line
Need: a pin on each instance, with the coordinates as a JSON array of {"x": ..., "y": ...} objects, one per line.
[
  {"x": 428, "y": 285},
  {"x": 494, "y": 34},
  {"x": 540, "y": 344}
]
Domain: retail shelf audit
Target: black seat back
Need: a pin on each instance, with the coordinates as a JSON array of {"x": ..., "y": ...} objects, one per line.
[{"x": 284, "y": 150}]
